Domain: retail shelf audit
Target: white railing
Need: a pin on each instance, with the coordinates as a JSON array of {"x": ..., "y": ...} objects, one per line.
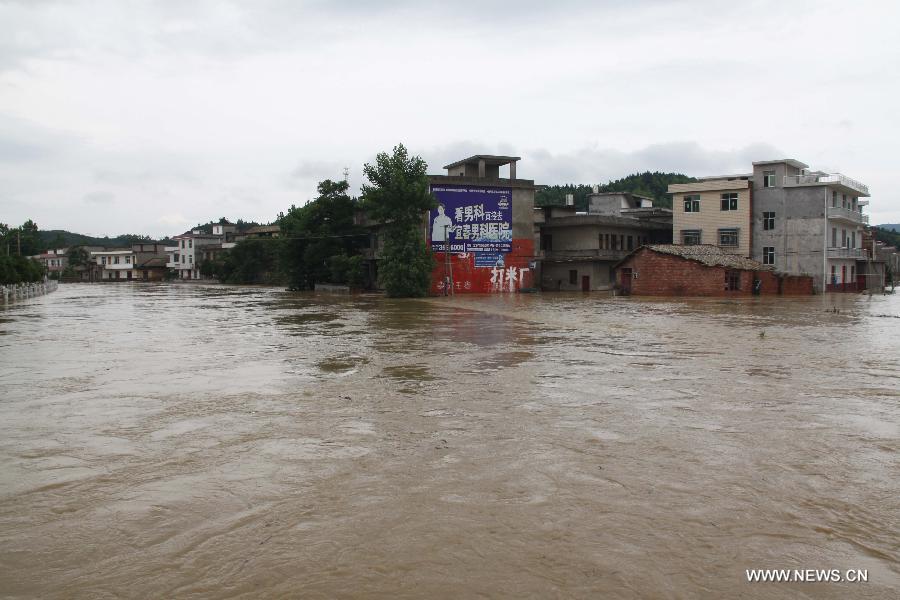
[
  {"x": 836, "y": 212},
  {"x": 857, "y": 253},
  {"x": 814, "y": 179}
]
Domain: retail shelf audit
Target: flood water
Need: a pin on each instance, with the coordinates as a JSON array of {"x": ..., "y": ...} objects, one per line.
[{"x": 190, "y": 441}]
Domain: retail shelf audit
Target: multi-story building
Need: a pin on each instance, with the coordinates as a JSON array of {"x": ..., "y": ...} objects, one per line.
[
  {"x": 185, "y": 256},
  {"x": 713, "y": 210},
  {"x": 782, "y": 214},
  {"x": 53, "y": 260},
  {"x": 144, "y": 261},
  {"x": 578, "y": 250},
  {"x": 809, "y": 222}
]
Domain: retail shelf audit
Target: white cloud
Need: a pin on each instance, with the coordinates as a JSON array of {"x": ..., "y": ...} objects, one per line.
[{"x": 198, "y": 109}]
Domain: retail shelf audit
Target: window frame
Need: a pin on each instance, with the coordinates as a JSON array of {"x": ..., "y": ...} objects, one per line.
[
  {"x": 689, "y": 233},
  {"x": 692, "y": 203},
  {"x": 735, "y": 231},
  {"x": 728, "y": 201},
  {"x": 768, "y": 255},
  {"x": 768, "y": 179},
  {"x": 768, "y": 220}
]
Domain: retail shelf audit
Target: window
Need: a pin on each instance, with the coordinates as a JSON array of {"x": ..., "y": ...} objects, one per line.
[
  {"x": 690, "y": 237},
  {"x": 600, "y": 241},
  {"x": 834, "y": 237},
  {"x": 834, "y": 199},
  {"x": 182, "y": 243},
  {"x": 833, "y": 274},
  {"x": 692, "y": 203},
  {"x": 768, "y": 221},
  {"x": 843, "y": 238},
  {"x": 116, "y": 260},
  {"x": 127, "y": 260},
  {"x": 191, "y": 259},
  {"x": 729, "y": 201},
  {"x": 573, "y": 276},
  {"x": 190, "y": 243},
  {"x": 608, "y": 247},
  {"x": 182, "y": 259},
  {"x": 768, "y": 255},
  {"x": 630, "y": 243},
  {"x": 853, "y": 239},
  {"x": 845, "y": 200},
  {"x": 768, "y": 178},
  {"x": 102, "y": 260},
  {"x": 732, "y": 281},
  {"x": 852, "y": 273},
  {"x": 728, "y": 237}
]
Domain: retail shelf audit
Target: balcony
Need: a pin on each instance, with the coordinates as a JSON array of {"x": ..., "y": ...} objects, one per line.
[
  {"x": 854, "y": 216},
  {"x": 855, "y": 253},
  {"x": 585, "y": 254},
  {"x": 849, "y": 184}
]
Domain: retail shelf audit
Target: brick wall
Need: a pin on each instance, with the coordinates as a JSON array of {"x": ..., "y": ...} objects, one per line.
[{"x": 660, "y": 274}]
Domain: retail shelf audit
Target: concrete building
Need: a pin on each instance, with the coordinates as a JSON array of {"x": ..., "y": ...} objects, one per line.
[
  {"x": 143, "y": 261},
  {"x": 702, "y": 270},
  {"x": 482, "y": 233},
  {"x": 784, "y": 215},
  {"x": 579, "y": 249},
  {"x": 714, "y": 210},
  {"x": 185, "y": 255},
  {"x": 53, "y": 260},
  {"x": 809, "y": 222}
]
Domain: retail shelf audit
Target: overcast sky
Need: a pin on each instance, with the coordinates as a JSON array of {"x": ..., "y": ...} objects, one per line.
[{"x": 149, "y": 117}]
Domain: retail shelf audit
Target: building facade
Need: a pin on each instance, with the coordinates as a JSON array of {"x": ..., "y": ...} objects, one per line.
[
  {"x": 783, "y": 215},
  {"x": 579, "y": 250},
  {"x": 482, "y": 233}
]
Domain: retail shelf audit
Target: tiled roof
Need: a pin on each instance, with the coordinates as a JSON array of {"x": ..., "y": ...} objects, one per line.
[{"x": 711, "y": 256}]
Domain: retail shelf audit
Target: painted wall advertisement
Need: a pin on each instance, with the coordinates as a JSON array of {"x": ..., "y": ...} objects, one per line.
[{"x": 473, "y": 220}]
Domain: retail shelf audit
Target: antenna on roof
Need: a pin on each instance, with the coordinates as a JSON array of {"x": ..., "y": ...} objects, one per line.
[{"x": 346, "y": 174}]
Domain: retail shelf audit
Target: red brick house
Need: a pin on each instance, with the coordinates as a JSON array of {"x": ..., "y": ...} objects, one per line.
[{"x": 701, "y": 270}]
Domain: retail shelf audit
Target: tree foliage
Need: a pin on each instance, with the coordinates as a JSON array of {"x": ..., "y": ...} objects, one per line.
[
  {"x": 397, "y": 196},
  {"x": 318, "y": 238},
  {"x": 19, "y": 269}
]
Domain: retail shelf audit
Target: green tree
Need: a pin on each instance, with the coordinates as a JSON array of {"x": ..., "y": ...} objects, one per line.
[
  {"x": 314, "y": 234},
  {"x": 397, "y": 196},
  {"x": 77, "y": 256}
]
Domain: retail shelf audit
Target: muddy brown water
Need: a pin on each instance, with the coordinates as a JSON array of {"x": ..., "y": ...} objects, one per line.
[{"x": 190, "y": 441}]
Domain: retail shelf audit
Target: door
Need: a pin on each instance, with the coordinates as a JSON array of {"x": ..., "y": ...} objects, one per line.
[
  {"x": 585, "y": 283},
  {"x": 626, "y": 281},
  {"x": 844, "y": 278}
]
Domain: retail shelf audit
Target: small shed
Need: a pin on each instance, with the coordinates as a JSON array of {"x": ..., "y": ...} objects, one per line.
[{"x": 701, "y": 270}]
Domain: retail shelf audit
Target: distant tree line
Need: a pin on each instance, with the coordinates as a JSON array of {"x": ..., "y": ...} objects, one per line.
[
  {"x": 16, "y": 244},
  {"x": 651, "y": 184}
]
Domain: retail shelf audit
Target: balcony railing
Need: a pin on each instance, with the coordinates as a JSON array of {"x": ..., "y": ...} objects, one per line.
[
  {"x": 836, "y": 212},
  {"x": 857, "y": 253},
  {"x": 816, "y": 179},
  {"x": 590, "y": 254}
]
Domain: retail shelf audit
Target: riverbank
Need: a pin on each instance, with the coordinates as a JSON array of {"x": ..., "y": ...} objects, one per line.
[{"x": 21, "y": 291}]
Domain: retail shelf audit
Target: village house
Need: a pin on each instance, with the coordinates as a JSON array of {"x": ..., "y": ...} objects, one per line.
[
  {"x": 784, "y": 215},
  {"x": 143, "y": 261},
  {"x": 579, "y": 249},
  {"x": 701, "y": 270}
]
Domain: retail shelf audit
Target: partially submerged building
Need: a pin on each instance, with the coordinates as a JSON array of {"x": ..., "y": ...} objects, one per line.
[
  {"x": 782, "y": 214},
  {"x": 482, "y": 232},
  {"x": 702, "y": 270},
  {"x": 578, "y": 250}
]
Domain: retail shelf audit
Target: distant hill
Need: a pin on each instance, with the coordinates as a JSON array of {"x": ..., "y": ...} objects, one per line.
[
  {"x": 890, "y": 226},
  {"x": 890, "y": 237},
  {"x": 60, "y": 238},
  {"x": 652, "y": 184}
]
